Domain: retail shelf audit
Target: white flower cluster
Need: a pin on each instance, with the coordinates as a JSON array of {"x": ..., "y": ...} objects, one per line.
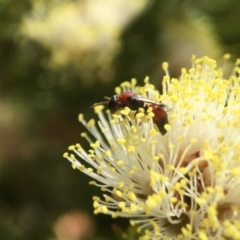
[{"x": 181, "y": 185}]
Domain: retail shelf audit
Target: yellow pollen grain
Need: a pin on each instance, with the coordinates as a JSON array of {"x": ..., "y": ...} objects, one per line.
[
  {"x": 72, "y": 147},
  {"x": 223, "y": 149},
  {"x": 104, "y": 209},
  {"x": 125, "y": 84},
  {"x": 165, "y": 66},
  {"x": 167, "y": 127},
  {"x": 227, "y": 56},
  {"x": 193, "y": 58},
  {"x": 131, "y": 172},
  {"x": 183, "y": 182},
  {"x": 200, "y": 201},
  {"x": 170, "y": 167},
  {"x": 133, "y": 207},
  {"x": 212, "y": 212},
  {"x": 187, "y": 232},
  {"x": 146, "y": 80},
  {"x": 220, "y": 125},
  {"x": 198, "y": 67},
  {"x": 163, "y": 178},
  {"x": 135, "y": 138},
  {"x": 120, "y": 184},
  {"x": 107, "y": 198},
  {"x": 118, "y": 193},
  {"x": 133, "y": 129},
  {"x": 118, "y": 90},
  {"x": 173, "y": 199},
  {"x": 150, "y": 115},
  {"x": 121, "y": 141},
  {"x": 96, "y": 198},
  {"x": 235, "y": 171},
  {"x": 180, "y": 138},
  {"x": 83, "y": 134},
  {"x": 99, "y": 170},
  {"x": 131, "y": 149},
  {"x": 174, "y": 98},
  {"x": 82, "y": 168},
  {"x": 65, "y": 155},
  {"x": 174, "y": 115},
  {"x": 152, "y": 132},
  {"x": 141, "y": 110},
  {"x": 122, "y": 205},
  {"x": 115, "y": 215},
  {"x": 180, "y": 237},
  {"x": 98, "y": 108},
  {"x": 220, "y": 138},
  {"x": 140, "y": 115},
  {"x": 193, "y": 140},
  {"x": 91, "y": 123},
  {"x": 191, "y": 71},
  {"x": 133, "y": 82},
  {"x": 95, "y": 204},
  {"x": 108, "y": 153},
  {"x": 96, "y": 144},
  {"x": 193, "y": 172},
  {"x": 112, "y": 121},
  {"x": 80, "y": 117},
  {"x": 120, "y": 163},
  {"x": 74, "y": 166},
  {"x": 171, "y": 146},
  {"x": 125, "y": 111},
  {"x": 132, "y": 222},
  {"x": 132, "y": 196},
  {"x": 89, "y": 170},
  {"x": 183, "y": 71},
  {"x": 113, "y": 169},
  {"x": 92, "y": 183},
  {"x": 153, "y": 142}
]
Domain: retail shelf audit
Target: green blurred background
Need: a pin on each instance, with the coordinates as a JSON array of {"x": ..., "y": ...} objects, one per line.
[{"x": 58, "y": 57}]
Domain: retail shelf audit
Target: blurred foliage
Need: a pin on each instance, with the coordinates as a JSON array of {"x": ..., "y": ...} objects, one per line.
[{"x": 48, "y": 76}]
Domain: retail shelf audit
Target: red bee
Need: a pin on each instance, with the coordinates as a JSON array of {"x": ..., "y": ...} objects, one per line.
[{"x": 134, "y": 102}]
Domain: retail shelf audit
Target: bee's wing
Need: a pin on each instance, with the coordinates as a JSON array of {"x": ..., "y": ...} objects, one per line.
[{"x": 146, "y": 100}]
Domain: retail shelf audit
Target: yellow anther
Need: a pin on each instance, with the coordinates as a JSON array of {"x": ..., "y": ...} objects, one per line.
[
  {"x": 165, "y": 66},
  {"x": 80, "y": 117}
]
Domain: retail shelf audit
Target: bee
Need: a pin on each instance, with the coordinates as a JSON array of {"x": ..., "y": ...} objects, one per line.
[{"x": 134, "y": 102}]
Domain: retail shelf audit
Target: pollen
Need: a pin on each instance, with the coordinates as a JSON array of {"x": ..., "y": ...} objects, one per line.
[
  {"x": 165, "y": 66},
  {"x": 125, "y": 111},
  {"x": 120, "y": 163},
  {"x": 121, "y": 141},
  {"x": 80, "y": 117},
  {"x": 98, "y": 109},
  {"x": 95, "y": 145},
  {"x": 91, "y": 123}
]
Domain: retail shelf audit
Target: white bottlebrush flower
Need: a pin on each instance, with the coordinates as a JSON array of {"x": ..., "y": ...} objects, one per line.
[{"x": 185, "y": 184}]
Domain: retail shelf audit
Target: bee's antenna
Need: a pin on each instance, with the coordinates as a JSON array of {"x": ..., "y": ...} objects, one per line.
[
  {"x": 100, "y": 103},
  {"x": 107, "y": 98}
]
